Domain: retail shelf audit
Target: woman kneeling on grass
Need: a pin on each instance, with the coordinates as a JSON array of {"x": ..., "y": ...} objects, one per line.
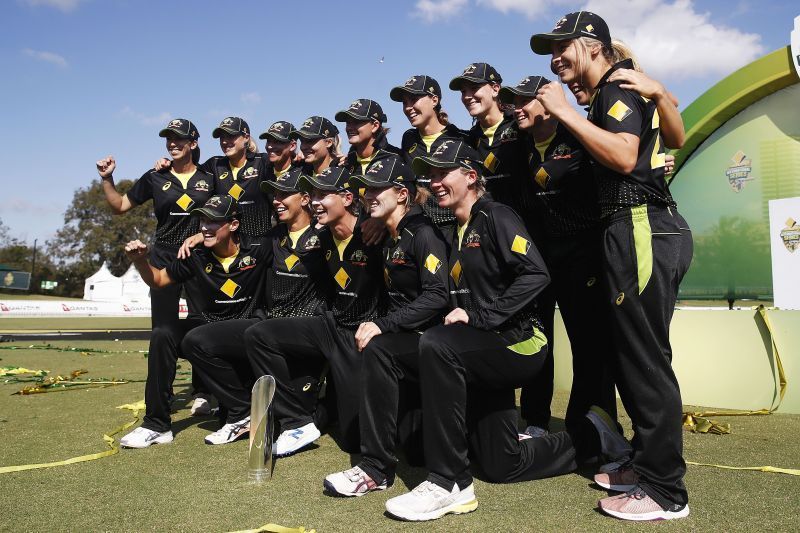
[{"x": 229, "y": 271}]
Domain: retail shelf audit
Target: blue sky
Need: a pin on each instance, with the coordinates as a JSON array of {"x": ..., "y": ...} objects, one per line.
[{"x": 86, "y": 78}]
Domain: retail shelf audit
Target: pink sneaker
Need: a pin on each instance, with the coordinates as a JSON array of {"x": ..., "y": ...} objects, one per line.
[{"x": 637, "y": 505}]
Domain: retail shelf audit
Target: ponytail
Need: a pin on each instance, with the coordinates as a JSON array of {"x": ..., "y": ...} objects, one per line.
[
  {"x": 621, "y": 51},
  {"x": 335, "y": 149},
  {"x": 196, "y": 155},
  {"x": 441, "y": 115},
  {"x": 252, "y": 147}
]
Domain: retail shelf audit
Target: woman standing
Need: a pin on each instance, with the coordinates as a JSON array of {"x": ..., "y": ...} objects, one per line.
[
  {"x": 421, "y": 97},
  {"x": 280, "y": 148},
  {"x": 366, "y": 133},
  {"x": 229, "y": 272},
  {"x": 174, "y": 192},
  {"x": 320, "y": 145},
  {"x": 416, "y": 279},
  {"x": 645, "y": 254}
]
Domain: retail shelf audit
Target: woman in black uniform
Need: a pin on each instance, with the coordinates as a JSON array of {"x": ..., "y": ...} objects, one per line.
[
  {"x": 494, "y": 133},
  {"x": 355, "y": 271},
  {"x": 174, "y": 192},
  {"x": 229, "y": 271},
  {"x": 415, "y": 274},
  {"x": 320, "y": 145},
  {"x": 646, "y": 252},
  {"x": 298, "y": 285},
  {"x": 557, "y": 195},
  {"x": 421, "y": 97},
  {"x": 364, "y": 124},
  {"x": 280, "y": 148}
]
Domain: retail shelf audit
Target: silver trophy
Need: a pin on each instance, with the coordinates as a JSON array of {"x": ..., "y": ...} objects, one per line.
[{"x": 259, "y": 461}]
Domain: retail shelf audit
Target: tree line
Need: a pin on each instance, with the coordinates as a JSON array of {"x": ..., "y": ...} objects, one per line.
[{"x": 91, "y": 234}]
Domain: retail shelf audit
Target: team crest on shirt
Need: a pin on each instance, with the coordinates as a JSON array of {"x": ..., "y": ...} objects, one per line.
[
  {"x": 250, "y": 173},
  {"x": 398, "y": 257},
  {"x": 790, "y": 235},
  {"x": 201, "y": 186},
  {"x": 312, "y": 243},
  {"x": 166, "y": 186},
  {"x": 209, "y": 267},
  {"x": 739, "y": 172},
  {"x": 358, "y": 258},
  {"x": 562, "y": 151},
  {"x": 473, "y": 239},
  {"x": 175, "y": 124},
  {"x": 508, "y": 135},
  {"x": 247, "y": 262}
]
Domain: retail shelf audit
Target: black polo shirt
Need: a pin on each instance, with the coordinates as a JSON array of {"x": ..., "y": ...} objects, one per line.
[
  {"x": 228, "y": 293},
  {"x": 558, "y": 194},
  {"x": 622, "y": 111},
  {"x": 499, "y": 156},
  {"x": 415, "y": 273},
  {"x": 245, "y": 187},
  {"x": 413, "y": 146},
  {"x": 172, "y": 202},
  {"x": 354, "y": 166},
  {"x": 298, "y": 283},
  {"x": 496, "y": 272},
  {"x": 359, "y": 295}
]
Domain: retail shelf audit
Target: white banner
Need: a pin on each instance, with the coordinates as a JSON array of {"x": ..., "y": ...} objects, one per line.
[
  {"x": 64, "y": 308},
  {"x": 784, "y": 231}
]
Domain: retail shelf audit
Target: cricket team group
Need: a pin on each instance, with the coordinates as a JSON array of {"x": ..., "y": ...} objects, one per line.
[{"x": 401, "y": 296}]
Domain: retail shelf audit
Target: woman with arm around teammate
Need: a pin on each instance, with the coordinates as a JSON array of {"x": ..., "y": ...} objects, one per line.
[
  {"x": 645, "y": 257},
  {"x": 415, "y": 273}
]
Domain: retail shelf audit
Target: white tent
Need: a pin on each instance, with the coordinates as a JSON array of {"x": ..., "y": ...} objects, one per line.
[
  {"x": 102, "y": 286},
  {"x": 133, "y": 287}
]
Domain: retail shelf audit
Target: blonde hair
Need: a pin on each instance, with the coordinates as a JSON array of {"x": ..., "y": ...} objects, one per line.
[
  {"x": 480, "y": 181},
  {"x": 335, "y": 149},
  {"x": 619, "y": 51},
  {"x": 252, "y": 147},
  {"x": 419, "y": 198}
]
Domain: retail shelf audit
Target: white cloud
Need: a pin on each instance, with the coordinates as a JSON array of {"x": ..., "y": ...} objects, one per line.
[
  {"x": 250, "y": 98},
  {"x": 145, "y": 120},
  {"x": 47, "y": 57},
  {"x": 433, "y": 10},
  {"x": 674, "y": 40},
  {"x": 532, "y": 9},
  {"x": 63, "y": 5}
]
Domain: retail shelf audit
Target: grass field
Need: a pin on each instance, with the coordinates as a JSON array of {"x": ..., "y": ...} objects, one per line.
[
  {"x": 188, "y": 486},
  {"x": 12, "y": 325}
]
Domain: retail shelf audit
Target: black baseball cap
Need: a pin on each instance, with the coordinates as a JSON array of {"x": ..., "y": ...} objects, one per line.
[
  {"x": 219, "y": 207},
  {"x": 279, "y": 131},
  {"x": 572, "y": 26},
  {"x": 449, "y": 154},
  {"x": 362, "y": 109},
  {"x": 315, "y": 127},
  {"x": 527, "y": 86},
  {"x": 418, "y": 85},
  {"x": 386, "y": 172},
  {"x": 182, "y": 128},
  {"x": 331, "y": 179},
  {"x": 231, "y": 126},
  {"x": 476, "y": 73},
  {"x": 288, "y": 182}
]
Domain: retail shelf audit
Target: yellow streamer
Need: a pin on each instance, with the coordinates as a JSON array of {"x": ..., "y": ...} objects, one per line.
[
  {"x": 108, "y": 438},
  {"x": 15, "y": 371},
  {"x": 698, "y": 422},
  {"x": 275, "y": 528},
  {"x": 770, "y": 469}
]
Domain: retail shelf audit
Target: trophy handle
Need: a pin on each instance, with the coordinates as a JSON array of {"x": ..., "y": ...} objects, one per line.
[{"x": 261, "y": 430}]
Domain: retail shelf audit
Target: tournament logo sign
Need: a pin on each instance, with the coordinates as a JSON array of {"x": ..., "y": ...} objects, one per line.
[
  {"x": 790, "y": 235},
  {"x": 739, "y": 172}
]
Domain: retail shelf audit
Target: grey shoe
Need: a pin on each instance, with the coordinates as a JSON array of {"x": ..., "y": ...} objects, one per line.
[{"x": 612, "y": 444}]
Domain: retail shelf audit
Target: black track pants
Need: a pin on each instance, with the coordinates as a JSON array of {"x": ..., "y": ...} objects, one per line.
[
  {"x": 165, "y": 348},
  {"x": 273, "y": 344},
  {"x": 575, "y": 266},
  {"x": 217, "y": 353},
  {"x": 389, "y": 376},
  {"x": 467, "y": 379},
  {"x": 647, "y": 250}
]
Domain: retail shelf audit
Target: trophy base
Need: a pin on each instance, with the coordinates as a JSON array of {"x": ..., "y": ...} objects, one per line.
[{"x": 258, "y": 476}]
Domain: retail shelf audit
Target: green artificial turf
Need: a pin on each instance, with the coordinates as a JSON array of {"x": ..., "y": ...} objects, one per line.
[{"x": 189, "y": 486}]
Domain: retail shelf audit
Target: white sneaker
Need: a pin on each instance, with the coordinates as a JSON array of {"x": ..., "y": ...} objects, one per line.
[
  {"x": 293, "y": 440},
  {"x": 201, "y": 406},
  {"x": 352, "y": 482},
  {"x": 142, "y": 438},
  {"x": 229, "y": 432},
  {"x": 429, "y": 501}
]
